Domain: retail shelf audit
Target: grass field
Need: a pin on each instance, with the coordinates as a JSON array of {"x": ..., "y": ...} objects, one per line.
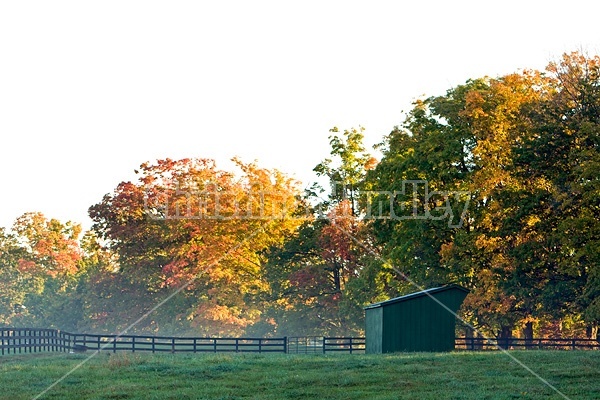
[{"x": 469, "y": 375}]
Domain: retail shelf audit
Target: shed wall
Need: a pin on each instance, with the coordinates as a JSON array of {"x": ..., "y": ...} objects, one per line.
[
  {"x": 374, "y": 330},
  {"x": 421, "y": 324}
]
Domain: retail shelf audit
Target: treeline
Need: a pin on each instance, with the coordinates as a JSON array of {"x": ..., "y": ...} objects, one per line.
[{"x": 494, "y": 185}]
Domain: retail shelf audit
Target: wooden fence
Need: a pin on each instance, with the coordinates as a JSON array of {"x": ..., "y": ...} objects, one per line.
[
  {"x": 528, "y": 344},
  {"x": 26, "y": 340},
  {"x": 31, "y": 340}
]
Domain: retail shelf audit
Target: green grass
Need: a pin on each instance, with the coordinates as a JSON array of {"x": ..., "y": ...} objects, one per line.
[{"x": 469, "y": 375}]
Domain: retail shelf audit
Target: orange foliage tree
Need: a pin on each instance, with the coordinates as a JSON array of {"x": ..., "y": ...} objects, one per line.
[{"x": 187, "y": 224}]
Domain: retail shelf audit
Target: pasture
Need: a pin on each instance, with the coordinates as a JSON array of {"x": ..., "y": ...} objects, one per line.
[{"x": 456, "y": 375}]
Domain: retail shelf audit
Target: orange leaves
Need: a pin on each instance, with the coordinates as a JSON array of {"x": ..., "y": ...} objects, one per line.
[
  {"x": 186, "y": 222},
  {"x": 52, "y": 247},
  {"x": 213, "y": 319}
]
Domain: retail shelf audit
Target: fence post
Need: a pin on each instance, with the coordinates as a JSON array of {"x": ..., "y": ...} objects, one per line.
[
  {"x": 215, "y": 344},
  {"x": 285, "y": 345},
  {"x": 236, "y": 345},
  {"x": 324, "y": 340},
  {"x": 133, "y": 344},
  {"x": 573, "y": 344},
  {"x": 259, "y": 345},
  {"x": 172, "y": 345},
  {"x": 350, "y": 345},
  {"x": 195, "y": 341},
  {"x": 153, "y": 344},
  {"x": 2, "y": 337}
]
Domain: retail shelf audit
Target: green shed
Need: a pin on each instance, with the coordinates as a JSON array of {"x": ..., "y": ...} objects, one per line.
[{"x": 415, "y": 322}]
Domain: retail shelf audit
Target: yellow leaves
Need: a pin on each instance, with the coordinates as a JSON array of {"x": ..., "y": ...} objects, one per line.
[
  {"x": 215, "y": 319},
  {"x": 532, "y": 220},
  {"x": 474, "y": 106},
  {"x": 484, "y": 242}
]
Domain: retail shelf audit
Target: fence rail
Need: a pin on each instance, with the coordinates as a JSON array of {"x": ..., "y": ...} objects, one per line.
[
  {"x": 517, "y": 344},
  {"x": 323, "y": 345},
  {"x": 31, "y": 340},
  {"x": 28, "y": 340}
]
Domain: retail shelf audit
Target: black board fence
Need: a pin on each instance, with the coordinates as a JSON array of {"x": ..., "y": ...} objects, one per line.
[
  {"x": 28, "y": 340},
  {"x": 33, "y": 340},
  {"x": 527, "y": 344}
]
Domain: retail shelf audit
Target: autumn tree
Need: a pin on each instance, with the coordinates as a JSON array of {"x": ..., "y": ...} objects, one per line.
[
  {"x": 524, "y": 148},
  {"x": 49, "y": 260},
  {"x": 560, "y": 157},
  {"x": 186, "y": 224}
]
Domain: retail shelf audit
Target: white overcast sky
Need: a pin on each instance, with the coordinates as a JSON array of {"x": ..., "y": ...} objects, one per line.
[{"x": 90, "y": 90}]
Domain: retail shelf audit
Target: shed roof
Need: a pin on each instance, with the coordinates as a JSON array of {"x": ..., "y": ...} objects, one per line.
[{"x": 411, "y": 296}]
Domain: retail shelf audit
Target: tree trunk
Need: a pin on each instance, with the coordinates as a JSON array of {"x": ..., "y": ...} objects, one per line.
[
  {"x": 592, "y": 331},
  {"x": 469, "y": 342},
  {"x": 504, "y": 337},
  {"x": 337, "y": 281},
  {"x": 528, "y": 334}
]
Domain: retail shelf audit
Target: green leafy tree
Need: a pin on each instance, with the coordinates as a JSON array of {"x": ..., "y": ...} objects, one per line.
[
  {"x": 13, "y": 284},
  {"x": 316, "y": 273},
  {"x": 524, "y": 147}
]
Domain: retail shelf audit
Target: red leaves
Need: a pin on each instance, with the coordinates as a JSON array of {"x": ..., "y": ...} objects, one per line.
[
  {"x": 27, "y": 267},
  {"x": 337, "y": 238}
]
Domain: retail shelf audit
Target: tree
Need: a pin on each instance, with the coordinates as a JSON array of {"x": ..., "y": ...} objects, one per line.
[
  {"x": 561, "y": 155},
  {"x": 188, "y": 224},
  {"x": 524, "y": 147},
  {"x": 13, "y": 286},
  {"x": 49, "y": 259},
  {"x": 313, "y": 272},
  {"x": 347, "y": 167}
]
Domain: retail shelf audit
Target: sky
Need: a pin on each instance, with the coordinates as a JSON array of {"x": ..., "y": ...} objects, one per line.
[{"x": 90, "y": 90}]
